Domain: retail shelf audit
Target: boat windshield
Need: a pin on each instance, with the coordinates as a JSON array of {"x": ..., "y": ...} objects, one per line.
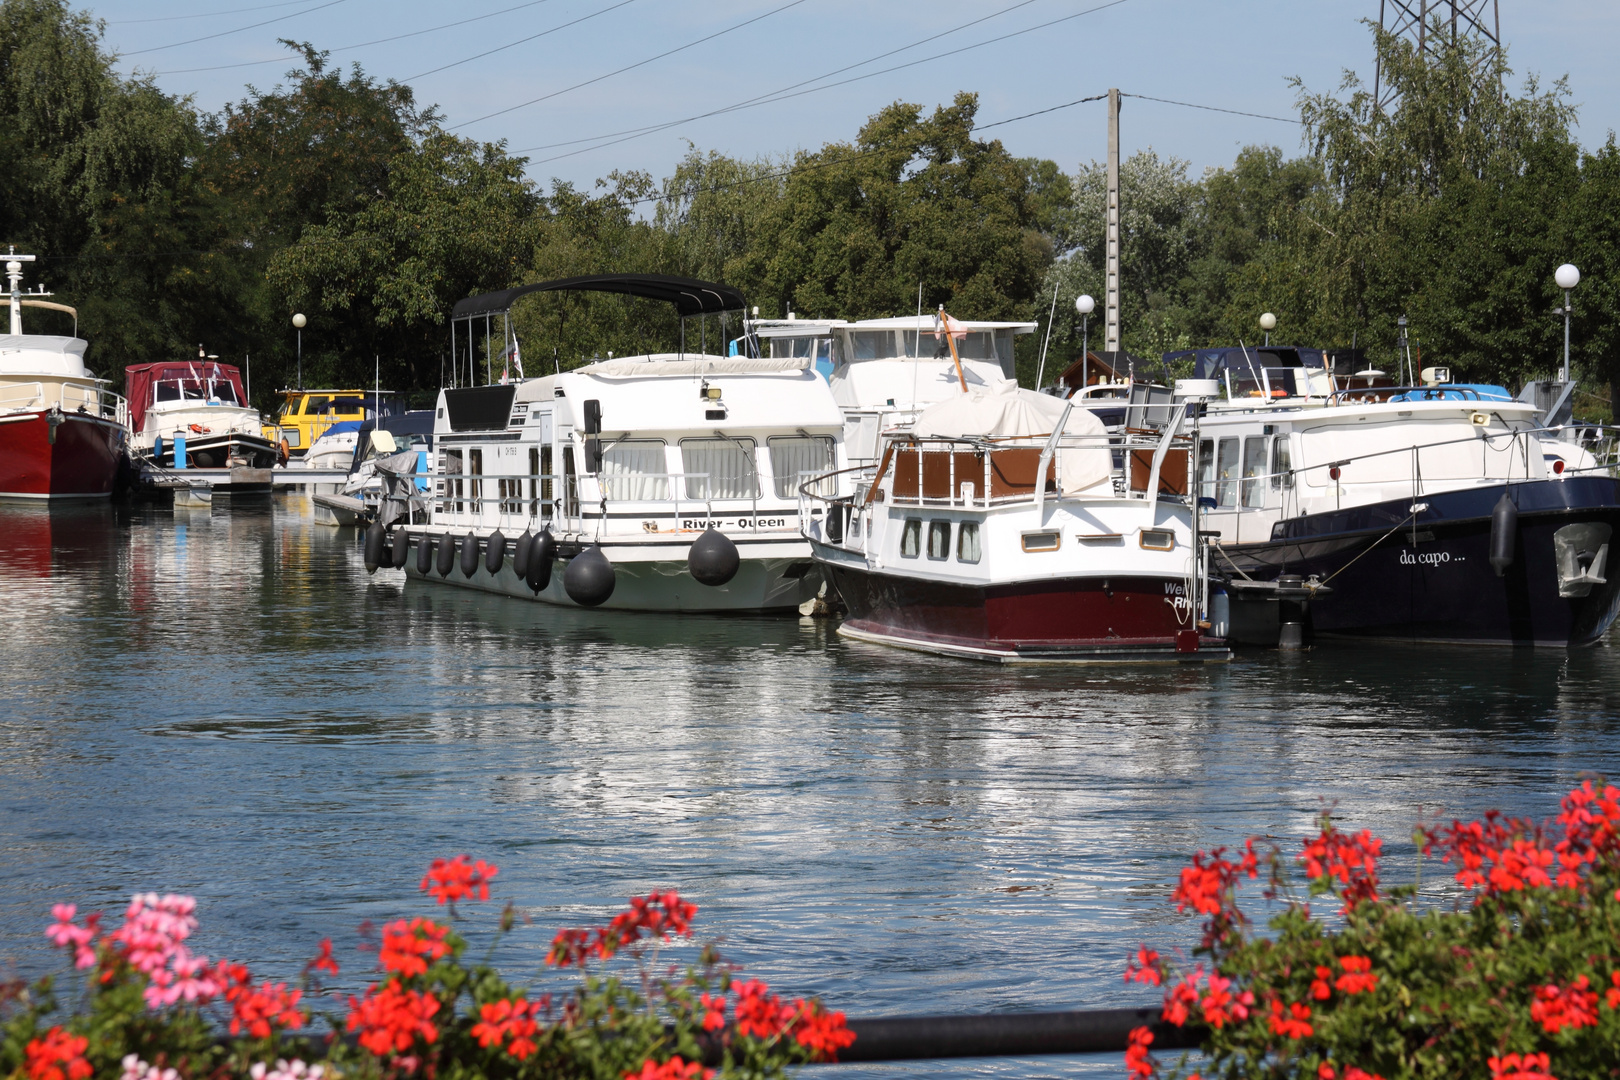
[{"x": 209, "y": 390}]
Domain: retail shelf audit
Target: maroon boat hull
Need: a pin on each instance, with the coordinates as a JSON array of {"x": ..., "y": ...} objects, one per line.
[
  {"x": 81, "y": 462},
  {"x": 1054, "y": 620}
]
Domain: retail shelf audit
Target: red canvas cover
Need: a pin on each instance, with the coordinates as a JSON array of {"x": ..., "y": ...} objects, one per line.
[{"x": 139, "y": 379}]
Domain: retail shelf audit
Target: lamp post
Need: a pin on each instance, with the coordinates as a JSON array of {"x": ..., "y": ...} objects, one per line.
[
  {"x": 1085, "y": 305},
  {"x": 299, "y": 322},
  {"x": 1268, "y": 323},
  {"x": 1567, "y": 278}
]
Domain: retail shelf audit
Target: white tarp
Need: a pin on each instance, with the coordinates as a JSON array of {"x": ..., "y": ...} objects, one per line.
[
  {"x": 1018, "y": 413},
  {"x": 705, "y": 365}
]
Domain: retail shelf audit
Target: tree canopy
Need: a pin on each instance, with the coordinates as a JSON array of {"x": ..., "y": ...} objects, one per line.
[{"x": 338, "y": 195}]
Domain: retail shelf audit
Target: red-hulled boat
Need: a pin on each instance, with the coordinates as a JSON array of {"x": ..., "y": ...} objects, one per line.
[{"x": 62, "y": 432}]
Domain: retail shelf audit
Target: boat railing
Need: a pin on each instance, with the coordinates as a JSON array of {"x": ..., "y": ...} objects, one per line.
[
  {"x": 70, "y": 397},
  {"x": 536, "y": 499},
  {"x": 978, "y": 473}
]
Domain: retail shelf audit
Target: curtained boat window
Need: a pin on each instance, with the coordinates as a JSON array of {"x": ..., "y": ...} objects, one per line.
[
  {"x": 939, "y": 540},
  {"x": 967, "y": 542},
  {"x": 911, "y": 538},
  {"x": 792, "y": 457},
  {"x": 1226, "y": 472},
  {"x": 1254, "y": 467},
  {"x": 1282, "y": 469},
  {"x": 633, "y": 470},
  {"x": 728, "y": 463}
]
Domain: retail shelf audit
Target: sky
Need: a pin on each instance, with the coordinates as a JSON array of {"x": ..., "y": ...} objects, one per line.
[{"x": 552, "y": 87}]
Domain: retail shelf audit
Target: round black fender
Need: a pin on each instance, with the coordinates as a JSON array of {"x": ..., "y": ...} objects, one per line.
[
  {"x": 712, "y": 558},
  {"x": 469, "y": 554},
  {"x": 376, "y": 538},
  {"x": 542, "y": 555},
  {"x": 402, "y": 548},
  {"x": 495, "y": 552},
  {"x": 424, "y": 554},
  {"x": 589, "y": 578},
  {"x": 447, "y": 555},
  {"x": 520, "y": 554},
  {"x": 1504, "y": 534}
]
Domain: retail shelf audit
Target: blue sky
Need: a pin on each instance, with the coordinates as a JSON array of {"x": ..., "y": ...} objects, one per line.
[{"x": 1234, "y": 55}]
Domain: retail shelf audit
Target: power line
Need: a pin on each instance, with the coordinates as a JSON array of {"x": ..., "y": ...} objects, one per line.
[
  {"x": 520, "y": 41},
  {"x": 630, "y": 67},
  {"x": 238, "y": 30},
  {"x": 648, "y": 128},
  {"x": 206, "y": 14},
  {"x": 361, "y": 44},
  {"x": 1212, "y": 108},
  {"x": 1042, "y": 112},
  {"x": 777, "y": 97}
]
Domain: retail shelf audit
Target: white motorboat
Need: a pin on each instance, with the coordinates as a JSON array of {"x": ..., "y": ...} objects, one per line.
[
  {"x": 998, "y": 527},
  {"x": 660, "y": 482},
  {"x": 194, "y": 413}
]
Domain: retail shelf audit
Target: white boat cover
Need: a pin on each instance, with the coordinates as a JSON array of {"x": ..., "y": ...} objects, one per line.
[
  {"x": 709, "y": 365},
  {"x": 1018, "y": 413}
]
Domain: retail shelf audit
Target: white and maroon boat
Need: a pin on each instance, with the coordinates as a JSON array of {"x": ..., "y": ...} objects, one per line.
[
  {"x": 999, "y": 528},
  {"x": 188, "y": 413},
  {"x": 62, "y": 432}
]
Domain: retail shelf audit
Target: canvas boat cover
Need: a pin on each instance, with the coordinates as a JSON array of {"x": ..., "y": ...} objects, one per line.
[
  {"x": 140, "y": 378},
  {"x": 708, "y": 365},
  {"x": 1024, "y": 414}
]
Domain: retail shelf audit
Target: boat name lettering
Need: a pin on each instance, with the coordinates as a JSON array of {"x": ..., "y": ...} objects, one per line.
[
  {"x": 740, "y": 523},
  {"x": 1175, "y": 588},
  {"x": 1426, "y": 558}
]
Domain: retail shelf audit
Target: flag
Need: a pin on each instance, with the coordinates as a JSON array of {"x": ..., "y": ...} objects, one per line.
[{"x": 516, "y": 356}]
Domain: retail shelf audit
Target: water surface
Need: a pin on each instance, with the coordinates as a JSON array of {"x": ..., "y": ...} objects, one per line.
[{"x": 224, "y": 703}]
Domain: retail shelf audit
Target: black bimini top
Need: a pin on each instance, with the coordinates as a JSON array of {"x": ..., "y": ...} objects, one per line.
[{"x": 689, "y": 296}]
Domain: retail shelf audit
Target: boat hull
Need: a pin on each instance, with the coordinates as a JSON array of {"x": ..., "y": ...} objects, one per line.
[
  {"x": 80, "y": 462},
  {"x": 1055, "y": 620},
  {"x": 777, "y": 583},
  {"x": 213, "y": 451},
  {"x": 1442, "y": 587}
]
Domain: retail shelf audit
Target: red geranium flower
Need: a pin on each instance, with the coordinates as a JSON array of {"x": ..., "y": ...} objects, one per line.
[
  {"x": 408, "y": 947},
  {"x": 391, "y": 1019},
  {"x": 57, "y": 1056},
  {"x": 456, "y": 879}
]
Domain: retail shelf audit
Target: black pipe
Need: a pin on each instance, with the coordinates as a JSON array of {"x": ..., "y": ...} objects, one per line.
[{"x": 1081, "y": 1031}]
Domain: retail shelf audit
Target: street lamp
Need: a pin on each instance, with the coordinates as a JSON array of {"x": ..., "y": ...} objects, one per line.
[
  {"x": 1268, "y": 323},
  {"x": 1085, "y": 305},
  {"x": 1567, "y": 278},
  {"x": 298, "y": 322}
]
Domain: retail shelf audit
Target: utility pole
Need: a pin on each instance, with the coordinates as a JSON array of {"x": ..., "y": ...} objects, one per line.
[{"x": 1111, "y": 271}]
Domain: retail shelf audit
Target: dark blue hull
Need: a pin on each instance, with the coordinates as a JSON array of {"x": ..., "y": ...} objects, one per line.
[{"x": 1429, "y": 578}]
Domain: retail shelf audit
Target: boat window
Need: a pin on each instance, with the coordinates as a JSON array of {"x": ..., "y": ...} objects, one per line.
[
  {"x": 1158, "y": 540},
  {"x": 1206, "y": 469},
  {"x": 168, "y": 391},
  {"x": 534, "y": 481},
  {"x": 792, "y": 457},
  {"x": 911, "y": 538},
  {"x": 570, "y": 484},
  {"x": 1282, "y": 474},
  {"x": 547, "y": 497},
  {"x": 873, "y": 344},
  {"x": 1226, "y": 471},
  {"x": 634, "y": 470},
  {"x": 1042, "y": 541},
  {"x": 939, "y": 540},
  {"x": 316, "y": 405},
  {"x": 967, "y": 542},
  {"x": 1254, "y": 467},
  {"x": 728, "y": 463},
  {"x": 511, "y": 492},
  {"x": 450, "y": 486}
]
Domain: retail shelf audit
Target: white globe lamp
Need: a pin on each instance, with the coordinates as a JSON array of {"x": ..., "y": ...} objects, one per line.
[{"x": 1567, "y": 277}]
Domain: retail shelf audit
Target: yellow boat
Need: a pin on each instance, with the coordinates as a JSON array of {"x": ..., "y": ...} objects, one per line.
[{"x": 306, "y": 414}]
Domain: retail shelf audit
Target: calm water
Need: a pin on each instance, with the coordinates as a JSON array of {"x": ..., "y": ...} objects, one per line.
[{"x": 223, "y": 703}]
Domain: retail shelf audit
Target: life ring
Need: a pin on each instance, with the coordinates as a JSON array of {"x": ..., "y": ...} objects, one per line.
[{"x": 282, "y": 452}]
